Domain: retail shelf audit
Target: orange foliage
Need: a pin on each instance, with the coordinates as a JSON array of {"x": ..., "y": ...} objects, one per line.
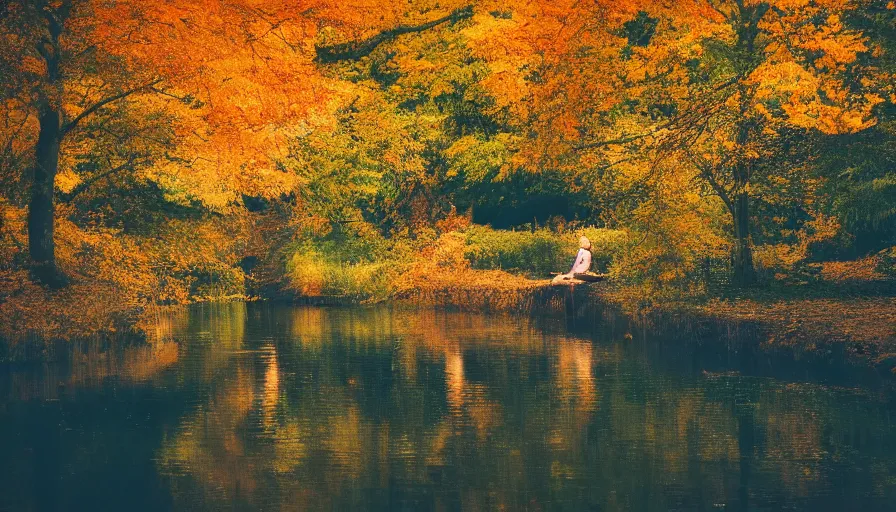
[{"x": 115, "y": 277}]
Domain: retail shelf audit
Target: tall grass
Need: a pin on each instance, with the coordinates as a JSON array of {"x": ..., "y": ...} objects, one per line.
[
  {"x": 355, "y": 268},
  {"x": 311, "y": 274},
  {"x": 538, "y": 253},
  {"x": 358, "y": 269},
  {"x": 532, "y": 252}
]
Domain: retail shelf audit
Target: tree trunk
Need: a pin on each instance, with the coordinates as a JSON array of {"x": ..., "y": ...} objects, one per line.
[
  {"x": 40, "y": 207},
  {"x": 744, "y": 273}
]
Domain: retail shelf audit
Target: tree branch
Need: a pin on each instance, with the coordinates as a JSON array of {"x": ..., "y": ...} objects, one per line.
[
  {"x": 706, "y": 173},
  {"x": 620, "y": 140},
  {"x": 84, "y": 185},
  {"x": 69, "y": 126},
  {"x": 355, "y": 50},
  {"x": 687, "y": 119}
]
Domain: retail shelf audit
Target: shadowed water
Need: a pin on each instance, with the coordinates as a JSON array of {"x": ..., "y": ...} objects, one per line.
[{"x": 299, "y": 408}]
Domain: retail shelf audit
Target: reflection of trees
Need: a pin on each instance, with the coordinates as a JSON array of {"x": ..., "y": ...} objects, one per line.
[
  {"x": 343, "y": 408},
  {"x": 211, "y": 439},
  {"x": 317, "y": 409},
  {"x": 89, "y": 366}
]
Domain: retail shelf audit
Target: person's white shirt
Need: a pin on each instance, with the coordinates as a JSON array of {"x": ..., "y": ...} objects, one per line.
[{"x": 583, "y": 262}]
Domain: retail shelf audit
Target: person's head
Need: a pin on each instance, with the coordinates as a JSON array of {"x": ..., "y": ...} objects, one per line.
[{"x": 584, "y": 243}]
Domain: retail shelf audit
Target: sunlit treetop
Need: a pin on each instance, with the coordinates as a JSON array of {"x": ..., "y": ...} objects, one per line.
[
  {"x": 240, "y": 78},
  {"x": 796, "y": 62}
]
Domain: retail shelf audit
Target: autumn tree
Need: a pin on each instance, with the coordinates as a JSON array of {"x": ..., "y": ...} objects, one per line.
[
  {"x": 687, "y": 112},
  {"x": 463, "y": 82},
  {"x": 720, "y": 86},
  {"x": 780, "y": 66},
  {"x": 234, "y": 79},
  {"x": 44, "y": 52}
]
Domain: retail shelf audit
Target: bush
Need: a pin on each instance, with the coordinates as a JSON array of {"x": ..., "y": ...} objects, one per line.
[
  {"x": 607, "y": 245},
  {"x": 886, "y": 262},
  {"x": 362, "y": 281},
  {"x": 115, "y": 277},
  {"x": 215, "y": 280},
  {"x": 340, "y": 268},
  {"x": 312, "y": 275},
  {"x": 535, "y": 252}
]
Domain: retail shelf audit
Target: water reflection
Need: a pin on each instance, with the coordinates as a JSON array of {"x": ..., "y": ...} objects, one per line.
[{"x": 263, "y": 407}]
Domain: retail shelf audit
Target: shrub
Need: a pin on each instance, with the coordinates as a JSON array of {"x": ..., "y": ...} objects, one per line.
[
  {"x": 339, "y": 268},
  {"x": 362, "y": 281},
  {"x": 216, "y": 280},
  {"x": 115, "y": 276},
  {"x": 669, "y": 256},
  {"x": 312, "y": 275},
  {"x": 791, "y": 262},
  {"x": 534, "y": 252},
  {"x": 306, "y": 272},
  {"x": 886, "y": 262}
]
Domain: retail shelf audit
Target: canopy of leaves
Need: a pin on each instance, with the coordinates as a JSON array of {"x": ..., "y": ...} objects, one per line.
[{"x": 652, "y": 117}]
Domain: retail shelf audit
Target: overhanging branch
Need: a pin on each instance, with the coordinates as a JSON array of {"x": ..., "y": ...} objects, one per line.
[
  {"x": 706, "y": 171},
  {"x": 84, "y": 185},
  {"x": 355, "y": 50},
  {"x": 102, "y": 103}
]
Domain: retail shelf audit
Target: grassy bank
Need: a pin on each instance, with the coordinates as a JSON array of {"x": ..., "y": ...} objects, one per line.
[
  {"x": 847, "y": 307},
  {"x": 463, "y": 261}
]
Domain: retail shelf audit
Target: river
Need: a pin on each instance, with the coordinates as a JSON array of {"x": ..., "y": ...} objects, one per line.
[{"x": 270, "y": 407}]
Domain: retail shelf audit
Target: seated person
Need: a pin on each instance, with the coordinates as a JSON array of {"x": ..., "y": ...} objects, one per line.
[{"x": 582, "y": 263}]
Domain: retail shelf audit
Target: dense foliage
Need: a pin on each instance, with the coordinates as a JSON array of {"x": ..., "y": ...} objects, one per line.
[{"x": 175, "y": 151}]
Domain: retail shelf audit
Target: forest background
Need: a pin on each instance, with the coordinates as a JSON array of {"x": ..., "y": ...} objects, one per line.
[{"x": 158, "y": 153}]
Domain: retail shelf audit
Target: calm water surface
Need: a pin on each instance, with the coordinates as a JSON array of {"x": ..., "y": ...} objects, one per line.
[{"x": 298, "y": 408}]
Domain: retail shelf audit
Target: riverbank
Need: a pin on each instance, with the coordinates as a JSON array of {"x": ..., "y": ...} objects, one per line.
[
  {"x": 855, "y": 322},
  {"x": 863, "y": 328},
  {"x": 843, "y": 308},
  {"x": 120, "y": 284}
]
